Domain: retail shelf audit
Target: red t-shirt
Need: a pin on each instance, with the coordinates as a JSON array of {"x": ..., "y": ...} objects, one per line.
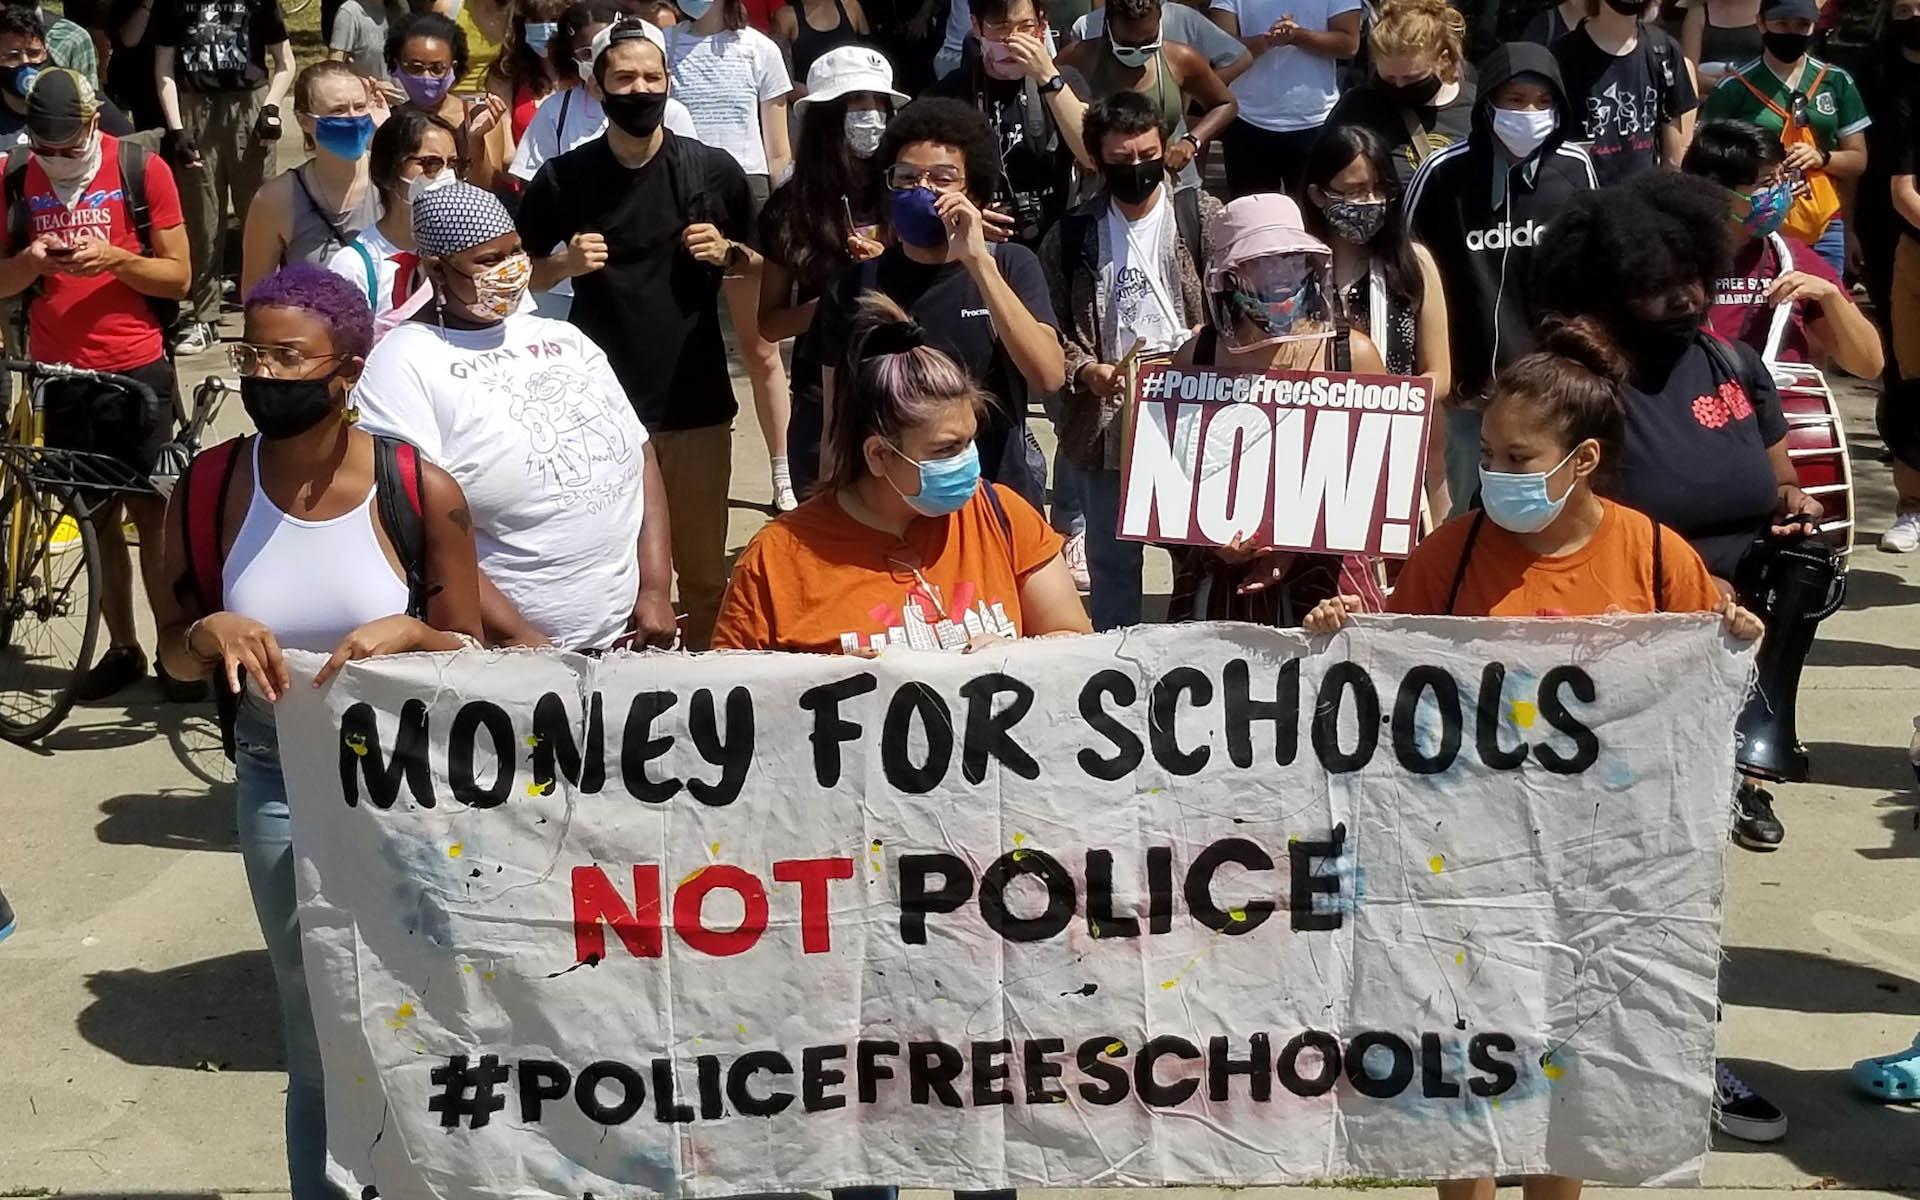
[
  {"x": 1740, "y": 310},
  {"x": 98, "y": 323}
]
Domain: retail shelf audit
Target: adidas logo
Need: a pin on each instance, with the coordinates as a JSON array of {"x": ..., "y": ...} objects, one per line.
[{"x": 1503, "y": 236}]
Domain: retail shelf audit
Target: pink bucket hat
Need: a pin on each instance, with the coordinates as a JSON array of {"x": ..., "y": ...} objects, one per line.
[{"x": 1257, "y": 226}]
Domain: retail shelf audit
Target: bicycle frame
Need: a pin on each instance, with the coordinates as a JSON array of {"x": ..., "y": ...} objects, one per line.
[{"x": 26, "y": 426}]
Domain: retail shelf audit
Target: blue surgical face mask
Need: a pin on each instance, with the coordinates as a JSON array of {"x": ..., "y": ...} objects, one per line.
[
  {"x": 344, "y": 137},
  {"x": 1767, "y": 209},
  {"x": 693, "y": 10},
  {"x": 915, "y": 220},
  {"x": 1518, "y": 501},
  {"x": 946, "y": 484},
  {"x": 539, "y": 33}
]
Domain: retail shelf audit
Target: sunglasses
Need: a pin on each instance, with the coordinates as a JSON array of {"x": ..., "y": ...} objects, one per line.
[{"x": 433, "y": 164}]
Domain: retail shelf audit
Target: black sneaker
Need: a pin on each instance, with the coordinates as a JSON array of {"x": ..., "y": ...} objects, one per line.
[
  {"x": 177, "y": 691},
  {"x": 117, "y": 668},
  {"x": 6, "y": 917},
  {"x": 1740, "y": 1112},
  {"x": 1754, "y": 825}
]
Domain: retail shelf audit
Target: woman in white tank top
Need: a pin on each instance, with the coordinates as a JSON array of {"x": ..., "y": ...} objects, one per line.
[{"x": 305, "y": 563}]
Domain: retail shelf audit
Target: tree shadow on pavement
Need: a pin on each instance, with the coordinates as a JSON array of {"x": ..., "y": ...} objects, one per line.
[
  {"x": 1834, "y": 1133},
  {"x": 171, "y": 819},
  {"x": 1879, "y": 589},
  {"x": 1797, "y": 981},
  {"x": 1852, "y": 765},
  {"x": 1842, "y": 652},
  {"x": 219, "y": 1014}
]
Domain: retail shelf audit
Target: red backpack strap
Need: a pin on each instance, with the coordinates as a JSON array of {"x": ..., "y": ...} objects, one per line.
[
  {"x": 399, "y": 494},
  {"x": 203, "y": 520}
]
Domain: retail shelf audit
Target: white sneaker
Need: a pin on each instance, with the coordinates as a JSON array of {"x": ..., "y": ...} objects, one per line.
[
  {"x": 1075, "y": 552},
  {"x": 1903, "y": 536},
  {"x": 195, "y": 338}
]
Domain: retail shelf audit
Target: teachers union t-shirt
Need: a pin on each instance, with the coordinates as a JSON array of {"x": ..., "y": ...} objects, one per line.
[{"x": 528, "y": 418}]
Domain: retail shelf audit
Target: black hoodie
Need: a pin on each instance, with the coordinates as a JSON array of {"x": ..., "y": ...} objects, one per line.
[{"x": 1481, "y": 214}]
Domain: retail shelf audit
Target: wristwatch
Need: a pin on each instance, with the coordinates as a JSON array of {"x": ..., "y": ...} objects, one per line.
[
  {"x": 1188, "y": 137},
  {"x": 1052, "y": 85},
  {"x": 1826, "y": 157}
]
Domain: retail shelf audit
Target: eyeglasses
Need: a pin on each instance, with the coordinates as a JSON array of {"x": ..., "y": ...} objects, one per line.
[
  {"x": 433, "y": 164},
  {"x": 902, "y": 176},
  {"x": 432, "y": 70},
  {"x": 275, "y": 361},
  {"x": 21, "y": 58},
  {"x": 1000, "y": 31}
]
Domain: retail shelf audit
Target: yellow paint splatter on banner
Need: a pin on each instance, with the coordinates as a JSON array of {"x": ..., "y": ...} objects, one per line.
[
  {"x": 456, "y": 850},
  {"x": 1437, "y": 863},
  {"x": 1525, "y": 712}
]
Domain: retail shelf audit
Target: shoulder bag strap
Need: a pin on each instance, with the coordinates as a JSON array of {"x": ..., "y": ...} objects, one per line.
[
  {"x": 1659, "y": 568},
  {"x": 397, "y": 492},
  {"x": 373, "y": 273},
  {"x": 1466, "y": 556},
  {"x": 1782, "y": 313},
  {"x": 334, "y": 227}
]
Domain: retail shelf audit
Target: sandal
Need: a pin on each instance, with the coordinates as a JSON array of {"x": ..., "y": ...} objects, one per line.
[{"x": 1891, "y": 1077}]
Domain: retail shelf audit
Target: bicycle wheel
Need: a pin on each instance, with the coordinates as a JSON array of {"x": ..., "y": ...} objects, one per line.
[{"x": 50, "y": 612}]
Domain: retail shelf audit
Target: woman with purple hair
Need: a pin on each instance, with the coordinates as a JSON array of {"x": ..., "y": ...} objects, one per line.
[{"x": 304, "y": 562}]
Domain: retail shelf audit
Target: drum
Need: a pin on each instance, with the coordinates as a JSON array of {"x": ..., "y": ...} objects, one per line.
[{"x": 1817, "y": 444}]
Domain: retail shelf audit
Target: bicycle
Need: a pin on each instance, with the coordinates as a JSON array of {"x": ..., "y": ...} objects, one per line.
[{"x": 50, "y": 571}]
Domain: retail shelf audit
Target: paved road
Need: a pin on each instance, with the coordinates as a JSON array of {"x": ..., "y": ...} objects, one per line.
[{"x": 137, "y": 1028}]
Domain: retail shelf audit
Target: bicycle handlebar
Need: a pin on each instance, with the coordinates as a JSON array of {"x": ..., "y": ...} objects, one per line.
[{"x": 46, "y": 370}]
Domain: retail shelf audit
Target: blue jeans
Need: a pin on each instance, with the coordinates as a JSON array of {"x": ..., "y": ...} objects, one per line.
[
  {"x": 1113, "y": 566},
  {"x": 1832, "y": 246},
  {"x": 266, "y": 845}
]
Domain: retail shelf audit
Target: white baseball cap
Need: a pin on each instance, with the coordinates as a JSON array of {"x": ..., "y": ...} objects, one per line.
[
  {"x": 844, "y": 70},
  {"x": 627, "y": 29}
]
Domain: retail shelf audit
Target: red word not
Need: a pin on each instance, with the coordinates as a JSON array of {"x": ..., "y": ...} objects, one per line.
[{"x": 597, "y": 900}]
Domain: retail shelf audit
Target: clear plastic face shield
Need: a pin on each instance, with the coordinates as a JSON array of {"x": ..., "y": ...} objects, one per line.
[{"x": 1272, "y": 299}]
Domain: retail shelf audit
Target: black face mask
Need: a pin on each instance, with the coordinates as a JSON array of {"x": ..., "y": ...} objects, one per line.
[
  {"x": 1132, "y": 183},
  {"x": 1905, "y": 32},
  {"x": 636, "y": 113},
  {"x": 1787, "y": 47},
  {"x": 1658, "y": 344},
  {"x": 1409, "y": 95},
  {"x": 284, "y": 408},
  {"x": 1628, "y": 8}
]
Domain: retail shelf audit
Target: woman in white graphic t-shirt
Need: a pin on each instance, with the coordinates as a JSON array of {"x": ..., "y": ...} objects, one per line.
[{"x": 569, "y": 510}]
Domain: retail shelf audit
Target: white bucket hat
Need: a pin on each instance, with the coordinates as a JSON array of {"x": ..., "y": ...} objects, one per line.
[{"x": 844, "y": 70}]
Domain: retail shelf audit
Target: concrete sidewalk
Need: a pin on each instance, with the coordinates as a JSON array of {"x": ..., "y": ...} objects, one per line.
[{"x": 138, "y": 1031}]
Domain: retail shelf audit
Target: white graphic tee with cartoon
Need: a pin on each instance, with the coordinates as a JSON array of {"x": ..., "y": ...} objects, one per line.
[{"x": 528, "y": 418}]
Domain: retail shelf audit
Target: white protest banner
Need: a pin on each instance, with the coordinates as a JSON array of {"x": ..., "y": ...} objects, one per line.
[
  {"x": 1298, "y": 460},
  {"x": 1204, "y": 904}
]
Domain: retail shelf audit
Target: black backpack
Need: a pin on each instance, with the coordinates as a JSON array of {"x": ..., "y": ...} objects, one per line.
[{"x": 132, "y": 161}]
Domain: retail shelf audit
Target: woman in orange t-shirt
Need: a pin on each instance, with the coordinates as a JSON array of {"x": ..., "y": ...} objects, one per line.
[
  {"x": 1553, "y": 419},
  {"x": 902, "y": 546}
]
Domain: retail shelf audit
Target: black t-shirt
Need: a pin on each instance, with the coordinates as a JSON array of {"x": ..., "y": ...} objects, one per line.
[
  {"x": 1443, "y": 124},
  {"x": 1695, "y": 456},
  {"x": 219, "y": 45},
  {"x": 943, "y": 299},
  {"x": 1622, "y": 100},
  {"x": 653, "y": 308},
  {"x": 1036, "y": 162}
]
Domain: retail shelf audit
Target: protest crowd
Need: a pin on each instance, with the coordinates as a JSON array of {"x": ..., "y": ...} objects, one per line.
[{"x": 490, "y": 320}]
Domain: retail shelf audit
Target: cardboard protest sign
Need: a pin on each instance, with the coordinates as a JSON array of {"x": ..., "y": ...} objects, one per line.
[
  {"x": 1298, "y": 460},
  {"x": 1205, "y": 904}
]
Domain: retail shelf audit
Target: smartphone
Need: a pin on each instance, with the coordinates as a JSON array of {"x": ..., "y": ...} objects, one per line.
[{"x": 61, "y": 251}]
